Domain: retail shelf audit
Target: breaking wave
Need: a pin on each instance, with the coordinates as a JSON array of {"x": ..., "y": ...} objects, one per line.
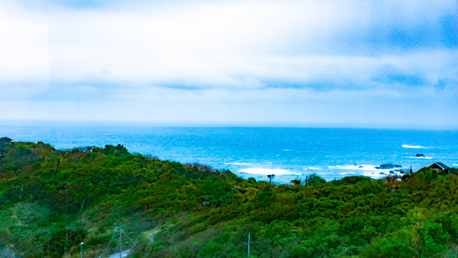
[
  {"x": 413, "y": 146},
  {"x": 268, "y": 171}
]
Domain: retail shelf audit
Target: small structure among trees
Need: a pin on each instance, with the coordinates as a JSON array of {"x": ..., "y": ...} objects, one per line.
[{"x": 439, "y": 166}]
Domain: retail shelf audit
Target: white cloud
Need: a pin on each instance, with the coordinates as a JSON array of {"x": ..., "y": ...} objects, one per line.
[
  {"x": 24, "y": 58},
  {"x": 329, "y": 50},
  {"x": 216, "y": 43}
]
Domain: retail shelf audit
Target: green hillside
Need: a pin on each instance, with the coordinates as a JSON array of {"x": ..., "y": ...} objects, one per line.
[{"x": 52, "y": 200}]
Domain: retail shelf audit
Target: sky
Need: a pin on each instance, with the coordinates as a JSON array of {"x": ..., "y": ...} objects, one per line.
[{"x": 390, "y": 64}]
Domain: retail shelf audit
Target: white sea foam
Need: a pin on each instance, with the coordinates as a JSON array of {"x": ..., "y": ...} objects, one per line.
[
  {"x": 358, "y": 168},
  {"x": 420, "y": 157},
  {"x": 347, "y": 173},
  {"x": 374, "y": 175},
  {"x": 311, "y": 168},
  {"x": 363, "y": 170},
  {"x": 413, "y": 146},
  {"x": 268, "y": 171},
  {"x": 245, "y": 164}
]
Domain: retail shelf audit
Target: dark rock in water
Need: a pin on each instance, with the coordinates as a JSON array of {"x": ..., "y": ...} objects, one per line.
[
  {"x": 360, "y": 167},
  {"x": 381, "y": 173},
  {"x": 391, "y": 172},
  {"x": 388, "y": 166},
  {"x": 419, "y": 155}
]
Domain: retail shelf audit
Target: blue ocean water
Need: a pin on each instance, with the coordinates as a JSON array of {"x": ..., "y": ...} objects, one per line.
[{"x": 287, "y": 152}]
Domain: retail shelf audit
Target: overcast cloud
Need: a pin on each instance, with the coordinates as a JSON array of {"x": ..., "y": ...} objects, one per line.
[{"x": 353, "y": 63}]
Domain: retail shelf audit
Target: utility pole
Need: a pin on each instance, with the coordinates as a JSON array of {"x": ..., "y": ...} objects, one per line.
[
  {"x": 120, "y": 242},
  {"x": 128, "y": 237},
  {"x": 248, "y": 244},
  {"x": 82, "y": 243},
  {"x": 119, "y": 229}
]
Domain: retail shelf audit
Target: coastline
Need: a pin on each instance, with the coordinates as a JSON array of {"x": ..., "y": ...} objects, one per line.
[{"x": 331, "y": 153}]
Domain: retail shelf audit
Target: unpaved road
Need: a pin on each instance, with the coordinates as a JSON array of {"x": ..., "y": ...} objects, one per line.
[{"x": 124, "y": 254}]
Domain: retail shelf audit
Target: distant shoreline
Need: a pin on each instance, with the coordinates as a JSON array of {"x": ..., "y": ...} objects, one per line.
[{"x": 331, "y": 153}]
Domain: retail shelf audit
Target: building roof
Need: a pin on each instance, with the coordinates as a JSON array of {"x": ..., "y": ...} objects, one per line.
[{"x": 439, "y": 164}]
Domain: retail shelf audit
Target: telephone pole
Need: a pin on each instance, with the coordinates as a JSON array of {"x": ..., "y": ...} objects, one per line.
[
  {"x": 248, "y": 244},
  {"x": 120, "y": 242},
  {"x": 121, "y": 231}
]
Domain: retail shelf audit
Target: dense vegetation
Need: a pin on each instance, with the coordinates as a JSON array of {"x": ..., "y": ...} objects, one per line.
[{"x": 51, "y": 200}]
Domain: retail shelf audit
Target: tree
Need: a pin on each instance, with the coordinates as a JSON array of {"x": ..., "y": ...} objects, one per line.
[
  {"x": 271, "y": 177},
  {"x": 433, "y": 239},
  {"x": 313, "y": 180},
  {"x": 296, "y": 181},
  {"x": 265, "y": 197},
  {"x": 4, "y": 142}
]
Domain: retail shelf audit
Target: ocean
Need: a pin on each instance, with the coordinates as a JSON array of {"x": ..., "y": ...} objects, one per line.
[{"x": 286, "y": 152}]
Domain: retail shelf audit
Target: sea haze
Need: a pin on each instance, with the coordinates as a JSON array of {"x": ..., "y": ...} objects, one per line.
[{"x": 287, "y": 152}]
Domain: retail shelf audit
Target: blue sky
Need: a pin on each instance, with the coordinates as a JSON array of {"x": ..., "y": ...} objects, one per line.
[{"x": 332, "y": 63}]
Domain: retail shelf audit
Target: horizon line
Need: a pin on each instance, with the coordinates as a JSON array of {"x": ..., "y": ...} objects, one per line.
[{"x": 266, "y": 124}]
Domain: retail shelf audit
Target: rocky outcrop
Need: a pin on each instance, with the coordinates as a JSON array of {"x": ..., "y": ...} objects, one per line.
[{"x": 388, "y": 166}]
